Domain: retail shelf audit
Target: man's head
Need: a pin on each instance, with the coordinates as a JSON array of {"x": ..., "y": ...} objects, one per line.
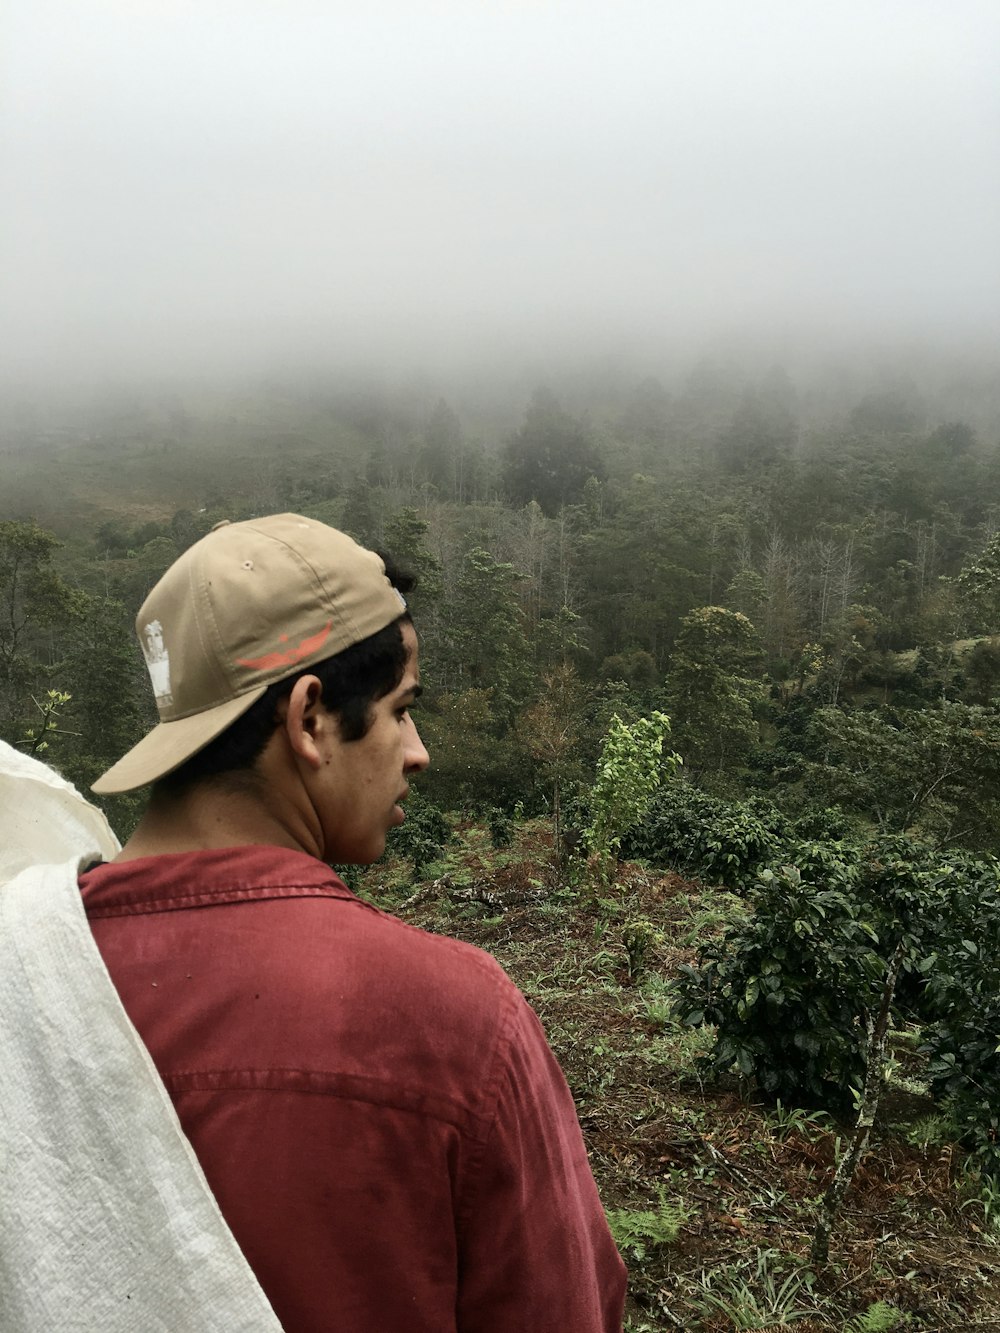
[{"x": 277, "y": 624}]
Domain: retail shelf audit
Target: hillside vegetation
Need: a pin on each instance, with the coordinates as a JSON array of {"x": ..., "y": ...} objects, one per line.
[{"x": 792, "y": 926}]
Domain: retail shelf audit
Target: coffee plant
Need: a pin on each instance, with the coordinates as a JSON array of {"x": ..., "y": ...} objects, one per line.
[
  {"x": 500, "y": 824},
  {"x": 962, "y": 1003},
  {"x": 724, "y": 842},
  {"x": 423, "y": 834},
  {"x": 790, "y": 989}
]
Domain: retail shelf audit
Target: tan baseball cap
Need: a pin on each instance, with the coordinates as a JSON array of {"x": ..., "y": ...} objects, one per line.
[{"x": 247, "y": 605}]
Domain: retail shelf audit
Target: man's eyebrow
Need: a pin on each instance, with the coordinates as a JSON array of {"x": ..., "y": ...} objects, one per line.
[{"x": 414, "y": 692}]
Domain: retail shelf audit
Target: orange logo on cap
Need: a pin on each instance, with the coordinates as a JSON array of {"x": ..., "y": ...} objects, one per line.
[{"x": 288, "y": 656}]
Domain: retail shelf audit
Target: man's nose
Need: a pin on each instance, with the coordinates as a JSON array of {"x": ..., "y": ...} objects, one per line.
[{"x": 416, "y": 758}]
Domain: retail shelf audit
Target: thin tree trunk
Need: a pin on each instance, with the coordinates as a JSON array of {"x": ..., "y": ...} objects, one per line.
[
  {"x": 557, "y": 823},
  {"x": 874, "y": 1076}
]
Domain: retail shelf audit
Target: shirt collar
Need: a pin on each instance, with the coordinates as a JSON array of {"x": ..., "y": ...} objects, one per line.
[{"x": 199, "y": 878}]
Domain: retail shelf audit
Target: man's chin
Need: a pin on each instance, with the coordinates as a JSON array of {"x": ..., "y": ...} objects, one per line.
[{"x": 360, "y": 856}]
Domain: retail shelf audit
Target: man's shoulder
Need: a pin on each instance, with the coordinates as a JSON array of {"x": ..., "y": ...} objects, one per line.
[
  {"x": 428, "y": 948},
  {"x": 308, "y": 942}
]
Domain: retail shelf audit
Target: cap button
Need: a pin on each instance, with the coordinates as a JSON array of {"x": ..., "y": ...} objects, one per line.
[{"x": 222, "y": 523}]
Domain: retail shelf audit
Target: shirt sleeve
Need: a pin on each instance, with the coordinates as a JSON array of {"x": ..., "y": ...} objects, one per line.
[{"x": 535, "y": 1251}]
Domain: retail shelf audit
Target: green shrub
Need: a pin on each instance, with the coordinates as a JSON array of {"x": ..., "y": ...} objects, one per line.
[
  {"x": 822, "y": 863},
  {"x": 789, "y": 989},
  {"x": 639, "y": 939},
  {"x": 630, "y": 768},
  {"x": 939, "y": 902},
  {"x": 424, "y": 833},
  {"x": 962, "y": 1043},
  {"x": 823, "y": 824},
  {"x": 725, "y": 842},
  {"x": 500, "y": 824}
]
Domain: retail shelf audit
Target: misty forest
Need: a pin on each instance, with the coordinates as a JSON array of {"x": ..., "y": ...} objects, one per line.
[
  {"x": 764, "y": 938},
  {"x": 659, "y": 343}
]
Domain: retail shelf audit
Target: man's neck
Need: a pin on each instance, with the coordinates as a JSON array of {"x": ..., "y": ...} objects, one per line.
[{"x": 212, "y": 815}]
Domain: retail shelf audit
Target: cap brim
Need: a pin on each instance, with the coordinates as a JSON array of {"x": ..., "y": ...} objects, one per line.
[{"x": 169, "y": 744}]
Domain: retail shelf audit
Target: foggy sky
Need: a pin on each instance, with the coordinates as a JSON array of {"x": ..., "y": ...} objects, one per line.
[{"x": 219, "y": 182}]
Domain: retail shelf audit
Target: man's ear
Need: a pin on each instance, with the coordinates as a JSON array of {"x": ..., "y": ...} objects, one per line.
[{"x": 306, "y": 722}]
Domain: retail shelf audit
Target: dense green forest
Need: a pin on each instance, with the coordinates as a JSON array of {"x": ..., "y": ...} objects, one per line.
[
  {"x": 805, "y": 577},
  {"x": 810, "y": 593}
]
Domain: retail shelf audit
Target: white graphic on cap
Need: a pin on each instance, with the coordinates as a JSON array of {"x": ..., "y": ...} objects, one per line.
[{"x": 157, "y": 661}]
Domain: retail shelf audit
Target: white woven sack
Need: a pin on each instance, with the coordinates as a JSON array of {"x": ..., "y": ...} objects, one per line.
[
  {"x": 107, "y": 1224},
  {"x": 43, "y": 818}
]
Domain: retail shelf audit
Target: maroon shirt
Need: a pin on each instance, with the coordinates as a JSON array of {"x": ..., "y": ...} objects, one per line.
[{"x": 376, "y": 1109}]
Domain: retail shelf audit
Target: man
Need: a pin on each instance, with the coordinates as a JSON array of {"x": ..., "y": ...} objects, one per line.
[{"x": 376, "y": 1109}]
